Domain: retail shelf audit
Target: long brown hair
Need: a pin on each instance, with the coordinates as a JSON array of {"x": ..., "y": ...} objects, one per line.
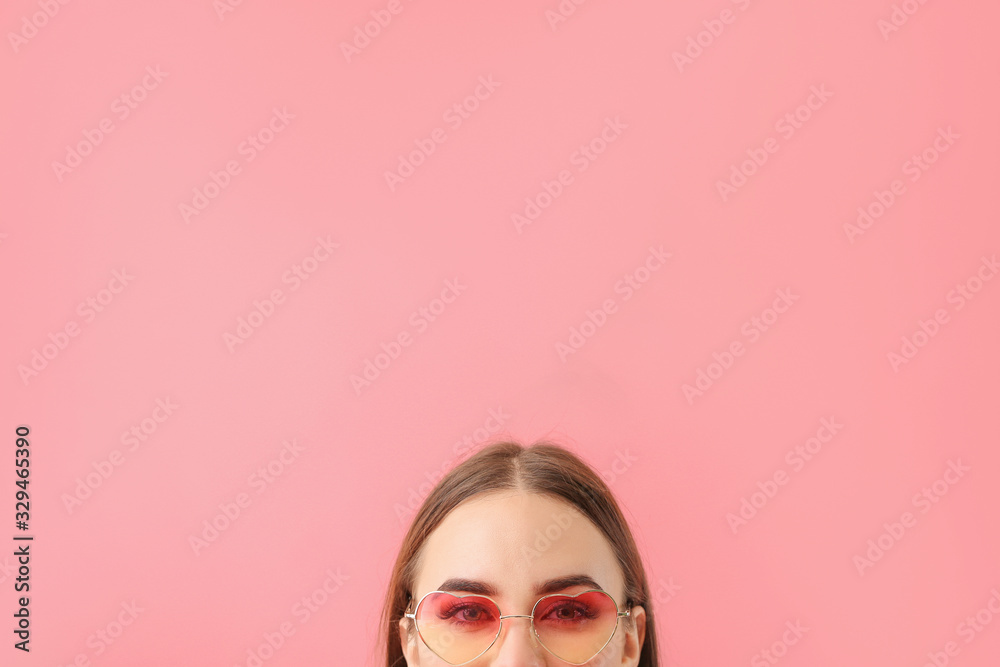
[{"x": 543, "y": 468}]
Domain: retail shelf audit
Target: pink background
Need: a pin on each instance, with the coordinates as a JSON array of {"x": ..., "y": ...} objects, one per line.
[{"x": 682, "y": 465}]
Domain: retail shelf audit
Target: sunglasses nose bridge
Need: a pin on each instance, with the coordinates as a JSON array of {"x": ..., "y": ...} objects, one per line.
[{"x": 529, "y": 627}]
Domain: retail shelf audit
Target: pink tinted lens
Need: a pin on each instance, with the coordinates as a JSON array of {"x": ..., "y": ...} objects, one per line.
[
  {"x": 457, "y": 628},
  {"x": 575, "y": 629}
]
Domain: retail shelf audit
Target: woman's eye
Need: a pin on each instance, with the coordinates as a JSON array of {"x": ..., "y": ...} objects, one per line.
[
  {"x": 568, "y": 612},
  {"x": 472, "y": 614},
  {"x": 469, "y": 614}
]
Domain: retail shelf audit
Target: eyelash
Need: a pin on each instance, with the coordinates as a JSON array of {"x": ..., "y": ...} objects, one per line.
[
  {"x": 449, "y": 613},
  {"x": 583, "y": 610}
]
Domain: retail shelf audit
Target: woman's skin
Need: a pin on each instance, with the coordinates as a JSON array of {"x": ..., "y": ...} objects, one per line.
[{"x": 503, "y": 540}]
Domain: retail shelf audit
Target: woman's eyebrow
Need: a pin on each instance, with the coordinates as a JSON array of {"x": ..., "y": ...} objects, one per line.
[
  {"x": 458, "y": 584},
  {"x": 562, "y": 583}
]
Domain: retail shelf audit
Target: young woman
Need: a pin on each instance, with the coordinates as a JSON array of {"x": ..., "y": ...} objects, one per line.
[{"x": 520, "y": 557}]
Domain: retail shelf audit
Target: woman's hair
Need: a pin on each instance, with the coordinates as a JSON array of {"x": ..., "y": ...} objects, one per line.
[{"x": 545, "y": 469}]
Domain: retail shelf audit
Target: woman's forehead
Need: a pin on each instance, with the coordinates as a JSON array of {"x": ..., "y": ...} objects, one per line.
[{"x": 516, "y": 544}]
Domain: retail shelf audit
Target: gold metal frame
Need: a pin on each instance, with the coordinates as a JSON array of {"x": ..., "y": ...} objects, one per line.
[{"x": 531, "y": 617}]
